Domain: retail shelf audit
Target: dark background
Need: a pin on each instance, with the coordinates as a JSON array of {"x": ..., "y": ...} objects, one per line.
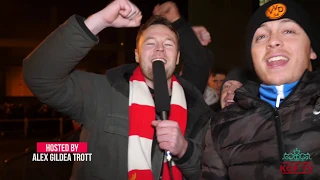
[{"x": 25, "y": 23}]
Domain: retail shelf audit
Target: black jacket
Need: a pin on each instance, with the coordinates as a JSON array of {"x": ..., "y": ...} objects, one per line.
[{"x": 249, "y": 139}]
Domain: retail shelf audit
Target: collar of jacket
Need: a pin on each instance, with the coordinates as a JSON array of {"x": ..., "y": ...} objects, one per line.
[
  {"x": 118, "y": 78},
  {"x": 247, "y": 96}
]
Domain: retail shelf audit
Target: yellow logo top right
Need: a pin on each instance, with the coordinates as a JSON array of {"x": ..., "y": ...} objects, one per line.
[{"x": 276, "y": 11}]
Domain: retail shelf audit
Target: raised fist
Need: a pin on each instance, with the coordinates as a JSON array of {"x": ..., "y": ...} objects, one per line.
[
  {"x": 203, "y": 35},
  {"x": 121, "y": 13}
]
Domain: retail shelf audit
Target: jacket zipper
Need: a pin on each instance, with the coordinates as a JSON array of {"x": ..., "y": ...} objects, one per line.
[
  {"x": 277, "y": 121},
  {"x": 279, "y": 133}
]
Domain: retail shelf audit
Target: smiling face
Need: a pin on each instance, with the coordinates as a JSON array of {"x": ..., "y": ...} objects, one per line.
[
  {"x": 157, "y": 42},
  {"x": 281, "y": 52}
]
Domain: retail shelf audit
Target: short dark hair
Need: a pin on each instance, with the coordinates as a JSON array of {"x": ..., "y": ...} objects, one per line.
[
  {"x": 154, "y": 20},
  {"x": 214, "y": 71}
]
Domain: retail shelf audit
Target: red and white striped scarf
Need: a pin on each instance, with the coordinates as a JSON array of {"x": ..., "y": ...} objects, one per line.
[{"x": 141, "y": 114}]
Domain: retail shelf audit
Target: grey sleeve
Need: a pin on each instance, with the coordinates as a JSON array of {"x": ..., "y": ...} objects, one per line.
[{"x": 49, "y": 70}]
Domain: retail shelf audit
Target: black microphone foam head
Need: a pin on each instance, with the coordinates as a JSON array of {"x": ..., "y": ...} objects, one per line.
[{"x": 161, "y": 92}]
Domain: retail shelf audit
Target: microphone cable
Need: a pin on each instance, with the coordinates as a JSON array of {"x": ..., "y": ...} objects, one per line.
[
  {"x": 169, "y": 162},
  {"x": 168, "y": 156}
]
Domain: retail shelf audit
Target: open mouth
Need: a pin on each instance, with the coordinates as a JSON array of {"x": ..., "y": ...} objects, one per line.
[
  {"x": 229, "y": 101},
  {"x": 158, "y": 59},
  {"x": 278, "y": 58},
  {"x": 277, "y": 61}
]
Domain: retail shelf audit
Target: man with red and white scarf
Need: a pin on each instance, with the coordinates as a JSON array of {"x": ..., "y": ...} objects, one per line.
[{"x": 117, "y": 109}]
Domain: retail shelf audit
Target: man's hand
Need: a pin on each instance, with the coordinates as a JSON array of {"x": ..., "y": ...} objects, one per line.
[
  {"x": 168, "y": 9},
  {"x": 170, "y": 138},
  {"x": 203, "y": 35},
  {"x": 119, "y": 13}
]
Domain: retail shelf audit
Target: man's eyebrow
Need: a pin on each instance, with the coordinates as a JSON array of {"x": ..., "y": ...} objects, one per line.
[
  {"x": 148, "y": 38},
  {"x": 170, "y": 39}
]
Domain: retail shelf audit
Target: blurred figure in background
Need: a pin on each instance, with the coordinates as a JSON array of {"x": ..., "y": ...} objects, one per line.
[
  {"x": 234, "y": 80},
  {"x": 213, "y": 89}
]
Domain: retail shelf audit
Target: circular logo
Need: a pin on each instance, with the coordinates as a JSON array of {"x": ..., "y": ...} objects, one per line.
[{"x": 276, "y": 11}]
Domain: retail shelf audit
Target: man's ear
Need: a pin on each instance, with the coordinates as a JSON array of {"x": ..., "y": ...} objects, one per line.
[
  {"x": 178, "y": 58},
  {"x": 136, "y": 55},
  {"x": 313, "y": 55}
]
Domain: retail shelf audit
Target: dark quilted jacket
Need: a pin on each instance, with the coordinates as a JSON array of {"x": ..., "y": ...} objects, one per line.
[{"x": 247, "y": 140}]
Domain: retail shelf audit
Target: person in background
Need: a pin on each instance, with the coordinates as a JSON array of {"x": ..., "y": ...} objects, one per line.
[
  {"x": 234, "y": 80},
  {"x": 216, "y": 78},
  {"x": 194, "y": 55},
  {"x": 213, "y": 89},
  {"x": 211, "y": 97}
]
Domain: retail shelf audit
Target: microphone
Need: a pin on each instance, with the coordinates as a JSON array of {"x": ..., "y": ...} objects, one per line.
[
  {"x": 161, "y": 92},
  {"x": 162, "y": 102}
]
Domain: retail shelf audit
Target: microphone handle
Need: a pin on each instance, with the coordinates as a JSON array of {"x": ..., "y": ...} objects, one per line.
[
  {"x": 164, "y": 115},
  {"x": 167, "y": 154}
]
